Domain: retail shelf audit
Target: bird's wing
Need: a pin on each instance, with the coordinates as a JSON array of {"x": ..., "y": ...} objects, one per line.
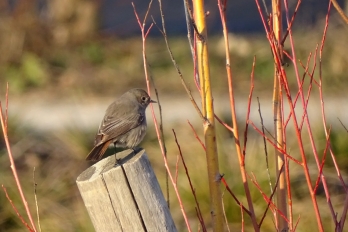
[{"x": 112, "y": 127}]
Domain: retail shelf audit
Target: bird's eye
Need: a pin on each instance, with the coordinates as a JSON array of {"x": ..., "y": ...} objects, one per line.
[{"x": 143, "y": 98}]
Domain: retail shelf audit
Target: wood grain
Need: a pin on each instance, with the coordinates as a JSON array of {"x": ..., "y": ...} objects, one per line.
[{"x": 126, "y": 197}]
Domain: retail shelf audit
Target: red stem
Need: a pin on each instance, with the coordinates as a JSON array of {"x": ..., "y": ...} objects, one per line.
[
  {"x": 322, "y": 165},
  {"x": 288, "y": 186},
  {"x": 234, "y": 196},
  {"x": 16, "y": 210},
  {"x": 273, "y": 144},
  {"x": 222, "y": 7},
  {"x": 195, "y": 133},
  {"x": 248, "y": 109},
  {"x": 200, "y": 217},
  {"x": 13, "y": 165},
  {"x": 268, "y": 200},
  {"x": 155, "y": 121}
]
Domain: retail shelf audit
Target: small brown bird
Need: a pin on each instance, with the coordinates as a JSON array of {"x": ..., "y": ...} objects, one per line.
[{"x": 124, "y": 123}]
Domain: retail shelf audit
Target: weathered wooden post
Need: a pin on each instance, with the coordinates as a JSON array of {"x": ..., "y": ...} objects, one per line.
[{"x": 126, "y": 197}]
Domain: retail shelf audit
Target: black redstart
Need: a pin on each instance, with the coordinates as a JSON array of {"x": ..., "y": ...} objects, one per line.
[{"x": 124, "y": 123}]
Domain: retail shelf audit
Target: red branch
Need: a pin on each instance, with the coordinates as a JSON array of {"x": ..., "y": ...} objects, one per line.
[
  {"x": 268, "y": 199},
  {"x": 234, "y": 196},
  {"x": 222, "y": 8},
  {"x": 296, "y": 224},
  {"x": 248, "y": 111},
  {"x": 224, "y": 124},
  {"x": 16, "y": 210},
  {"x": 291, "y": 22},
  {"x": 200, "y": 217},
  {"x": 289, "y": 196},
  {"x": 143, "y": 34},
  {"x": 322, "y": 164},
  {"x": 4, "y": 121},
  {"x": 273, "y": 144},
  {"x": 271, "y": 196},
  {"x": 195, "y": 133},
  {"x": 340, "y": 224}
]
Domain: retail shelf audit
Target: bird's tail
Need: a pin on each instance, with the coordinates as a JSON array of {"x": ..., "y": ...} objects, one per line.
[{"x": 98, "y": 151}]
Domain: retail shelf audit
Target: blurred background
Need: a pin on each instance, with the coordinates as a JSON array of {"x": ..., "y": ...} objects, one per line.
[{"x": 67, "y": 60}]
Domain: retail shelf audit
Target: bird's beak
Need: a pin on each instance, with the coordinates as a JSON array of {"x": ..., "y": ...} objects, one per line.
[{"x": 152, "y": 101}]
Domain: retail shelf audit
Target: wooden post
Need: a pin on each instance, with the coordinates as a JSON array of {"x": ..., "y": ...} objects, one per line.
[{"x": 126, "y": 197}]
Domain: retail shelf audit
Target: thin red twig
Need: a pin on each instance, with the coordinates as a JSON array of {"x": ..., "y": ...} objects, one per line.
[
  {"x": 142, "y": 25},
  {"x": 322, "y": 163},
  {"x": 322, "y": 98},
  {"x": 4, "y": 121},
  {"x": 267, "y": 199},
  {"x": 298, "y": 94},
  {"x": 291, "y": 22},
  {"x": 297, "y": 221},
  {"x": 222, "y": 7},
  {"x": 270, "y": 197},
  {"x": 190, "y": 182},
  {"x": 16, "y": 210},
  {"x": 295, "y": 122},
  {"x": 224, "y": 124},
  {"x": 311, "y": 138},
  {"x": 195, "y": 133},
  {"x": 234, "y": 196},
  {"x": 273, "y": 144},
  {"x": 289, "y": 195},
  {"x": 340, "y": 225},
  {"x": 284, "y": 84},
  {"x": 310, "y": 85},
  {"x": 248, "y": 108}
]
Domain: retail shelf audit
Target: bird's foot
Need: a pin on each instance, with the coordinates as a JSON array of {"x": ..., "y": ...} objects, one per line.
[{"x": 117, "y": 162}]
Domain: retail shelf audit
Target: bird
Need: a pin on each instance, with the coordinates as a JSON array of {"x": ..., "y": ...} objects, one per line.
[{"x": 124, "y": 123}]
